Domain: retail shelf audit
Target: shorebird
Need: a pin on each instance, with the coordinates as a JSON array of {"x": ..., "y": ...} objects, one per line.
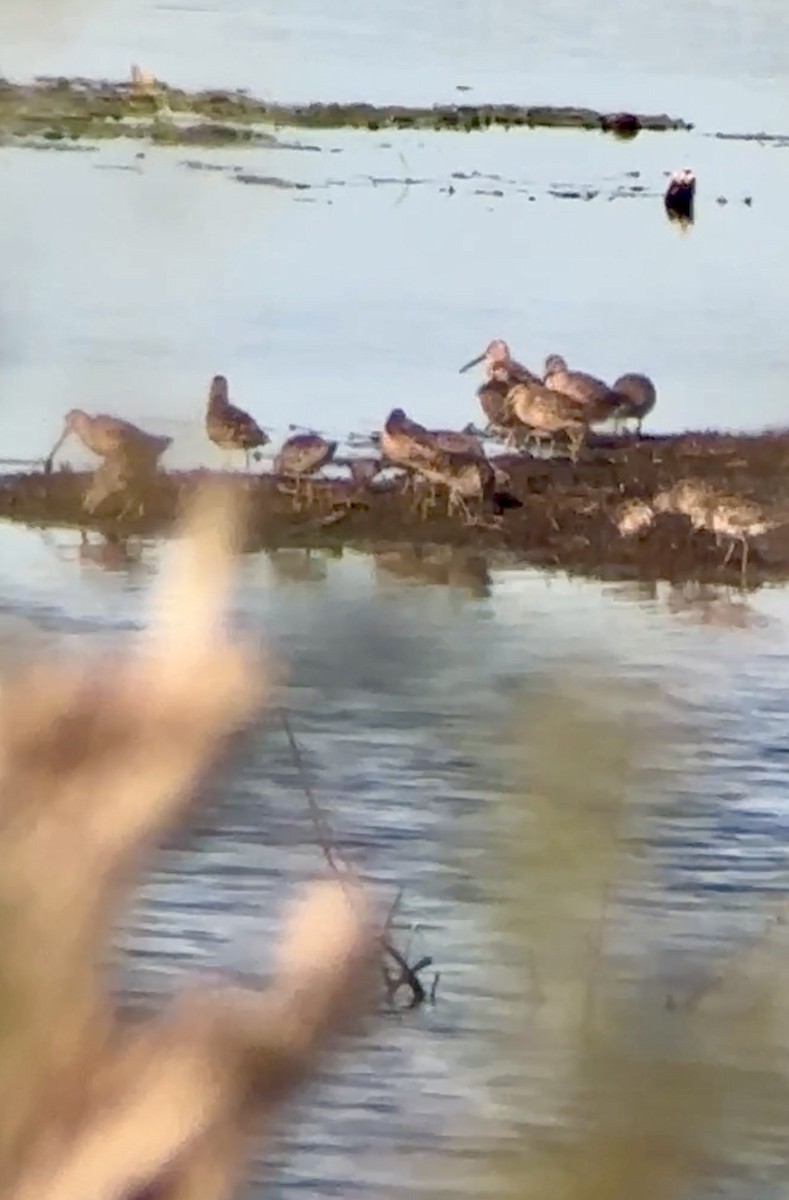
[
  {"x": 499, "y": 363},
  {"x": 637, "y": 397},
  {"x": 303, "y": 455},
  {"x": 465, "y": 472},
  {"x": 362, "y": 470},
  {"x": 492, "y": 396},
  {"x": 228, "y": 427},
  {"x": 110, "y": 438},
  {"x": 578, "y": 385},
  {"x": 456, "y": 441},
  {"x": 681, "y": 193},
  {"x": 404, "y": 442},
  {"x": 736, "y": 519},
  {"x": 465, "y": 476},
  {"x": 633, "y": 516},
  {"x": 143, "y": 81},
  {"x": 542, "y": 410},
  {"x": 690, "y": 497},
  {"x": 733, "y": 518}
]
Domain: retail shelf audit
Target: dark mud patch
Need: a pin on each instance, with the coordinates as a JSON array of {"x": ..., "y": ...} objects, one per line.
[
  {"x": 566, "y": 521},
  {"x": 62, "y": 109},
  {"x": 271, "y": 181}
]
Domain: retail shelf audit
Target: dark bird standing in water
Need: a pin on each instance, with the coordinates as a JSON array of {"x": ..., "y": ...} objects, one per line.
[
  {"x": 681, "y": 193},
  {"x": 228, "y": 427}
]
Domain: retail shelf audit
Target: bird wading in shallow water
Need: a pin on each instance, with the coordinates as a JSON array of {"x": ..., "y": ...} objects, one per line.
[{"x": 229, "y": 427}]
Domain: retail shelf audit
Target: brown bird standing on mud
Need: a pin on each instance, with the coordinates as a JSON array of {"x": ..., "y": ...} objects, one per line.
[
  {"x": 363, "y": 470},
  {"x": 637, "y": 397},
  {"x": 465, "y": 473},
  {"x": 404, "y": 443},
  {"x": 500, "y": 364},
  {"x": 303, "y": 455},
  {"x": 540, "y": 410},
  {"x": 228, "y": 427},
  {"x": 579, "y": 385},
  {"x": 465, "y": 476},
  {"x": 110, "y": 438},
  {"x": 492, "y": 396}
]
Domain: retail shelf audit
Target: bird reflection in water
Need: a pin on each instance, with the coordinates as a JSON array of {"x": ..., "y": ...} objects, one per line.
[
  {"x": 701, "y": 603},
  {"x": 110, "y": 552},
  {"x": 291, "y": 565},
  {"x": 460, "y": 569}
]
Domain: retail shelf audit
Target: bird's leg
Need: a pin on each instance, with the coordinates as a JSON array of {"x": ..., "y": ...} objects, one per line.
[
  {"x": 744, "y": 559},
  {"x": 576, "y": 445},
  {"x": 729, "y": 552}
]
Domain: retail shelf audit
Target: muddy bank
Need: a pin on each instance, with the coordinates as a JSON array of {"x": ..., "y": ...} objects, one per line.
[
  {"x": 565, "y": 520},
  {"x": 57, "y": 109}
]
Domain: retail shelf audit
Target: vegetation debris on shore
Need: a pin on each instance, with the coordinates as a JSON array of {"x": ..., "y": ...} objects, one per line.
[{"x": 56, "y": 108}]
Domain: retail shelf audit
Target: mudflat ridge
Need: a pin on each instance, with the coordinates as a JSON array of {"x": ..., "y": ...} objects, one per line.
[{"x": 565, "y": 519}]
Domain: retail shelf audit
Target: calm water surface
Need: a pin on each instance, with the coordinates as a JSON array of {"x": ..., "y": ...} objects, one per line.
[{"x": 129, "y": 281}]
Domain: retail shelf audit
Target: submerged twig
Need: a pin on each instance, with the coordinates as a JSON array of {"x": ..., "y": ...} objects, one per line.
[{"x": 407, "y": 975}]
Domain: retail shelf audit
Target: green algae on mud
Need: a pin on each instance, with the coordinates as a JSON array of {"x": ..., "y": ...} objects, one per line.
[
  {"x": 61, "y": 108},
  {"x": 566, "y": 521}
]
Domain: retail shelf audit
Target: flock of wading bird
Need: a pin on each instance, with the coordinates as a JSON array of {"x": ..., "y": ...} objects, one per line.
[{"x": 521, "y": 409}]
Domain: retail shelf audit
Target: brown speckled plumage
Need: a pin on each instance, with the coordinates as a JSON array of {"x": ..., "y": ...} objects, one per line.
[{"x": 229, "y": 427}]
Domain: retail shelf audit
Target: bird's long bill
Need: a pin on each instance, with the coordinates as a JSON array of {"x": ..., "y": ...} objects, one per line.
[
  {"x": 473, "y": 363},
  {"x": 55, "y": 448}
]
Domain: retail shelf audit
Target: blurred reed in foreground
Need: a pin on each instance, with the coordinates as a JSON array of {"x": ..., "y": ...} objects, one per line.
[
  {"x": 607, "y": 1083},
  {"x": 99, "y": 758}
]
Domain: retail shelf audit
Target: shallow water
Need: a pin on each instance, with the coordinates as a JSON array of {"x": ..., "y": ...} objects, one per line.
[
  {"x": 403, "y": 674},
  {"x": 130, "y": 281}
]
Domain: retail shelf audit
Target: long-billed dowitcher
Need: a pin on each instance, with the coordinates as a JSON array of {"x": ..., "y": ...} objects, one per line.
[
  {"x": 465, "y": 476},
  {"x": 228, "y": 427},
  {"x": 737, "y": 520},
  {"x": 499, "y": 363},
  {"x": 540, "y": 410},
  {"x": 637, "y": 397},
  {"x": 110, "y": 438},
  {"x": 404, "y": 443},
  {"x": 733, "y": 518},
  {"x": 301, "y": 456},
  {"x": 492, "y": 396},
  {"x": 634, "y": 516},
  {"x": 579, "y": 385},
  {"x": 690, "y": 497},
  {"x": 363, "y": 469}
]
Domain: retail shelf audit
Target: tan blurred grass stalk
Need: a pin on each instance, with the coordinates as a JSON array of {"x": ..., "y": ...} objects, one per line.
[
  {"x": 638, "y": 1094},
  {"x": 99, "y": 756}
]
